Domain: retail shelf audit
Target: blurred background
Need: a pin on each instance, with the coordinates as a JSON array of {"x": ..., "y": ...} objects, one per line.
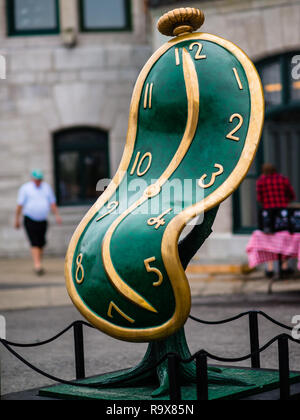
[{"x": 64, "y": 106}]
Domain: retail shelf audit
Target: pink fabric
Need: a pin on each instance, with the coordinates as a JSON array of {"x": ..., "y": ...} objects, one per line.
[{"x": 262, "y": 247}]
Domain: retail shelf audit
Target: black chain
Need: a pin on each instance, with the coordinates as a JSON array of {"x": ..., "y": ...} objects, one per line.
[
  {"x": 50, "y": 340},
  {"x": 242, "y": 315},
  {"x": 154, "y": 366},
  {"x": 8, "y": 345}
]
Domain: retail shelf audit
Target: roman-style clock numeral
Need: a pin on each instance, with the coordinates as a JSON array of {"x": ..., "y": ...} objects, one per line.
[
  {"x": 213, "y": 177},
  {"x": 148, "y": 96},
  {"x": 150, "y": 269},
  {"x": 198, "y": 55},
  {"x": 138, "y": 163},
  {"x": 112, "y": 306},
  {"x": 177, "y": 57},
  {"x": 231, "y": 136},
  {"x": 238, "y": 78},
  {"x": 79, "y": 276},
  {"x": 112, "y": 206}
]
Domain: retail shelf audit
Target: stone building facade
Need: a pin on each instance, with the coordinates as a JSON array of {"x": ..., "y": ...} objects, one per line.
[{"x": 51, "y": 88}]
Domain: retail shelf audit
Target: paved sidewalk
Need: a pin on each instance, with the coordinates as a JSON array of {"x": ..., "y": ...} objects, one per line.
[
  {"x": 105, "y": 354},
  {"x": 241, "y": 284},
  {"x": 20, "y": 288}
]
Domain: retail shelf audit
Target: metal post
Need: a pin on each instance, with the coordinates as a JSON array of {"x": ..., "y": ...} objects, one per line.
[
  {"x": 202, "y": 377},
  {"x": 280, "y": 272},
  {"x": 284, "y": 368},
  {"x": 3, "y": 337},
  {"x": 79, "y": 351},
  {"x": 174, "y": 378},
  {"x": 254, "y": 340}
]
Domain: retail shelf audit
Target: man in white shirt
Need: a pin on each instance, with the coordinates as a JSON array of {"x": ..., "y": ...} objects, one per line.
[{"x": 35, "y": 201}]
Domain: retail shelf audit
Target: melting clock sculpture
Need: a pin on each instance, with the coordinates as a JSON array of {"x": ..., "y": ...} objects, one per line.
[{"x": 196, "y": 115}]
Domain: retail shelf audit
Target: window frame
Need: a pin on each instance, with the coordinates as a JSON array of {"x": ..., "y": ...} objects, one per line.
[
  {"x": 126, "y": 28},
  {"x": 11, "y": 27},
  {"x": 238, "y": 228},
  {"x": 286, "y": 104},
  {"x": 83, "y": 148}
]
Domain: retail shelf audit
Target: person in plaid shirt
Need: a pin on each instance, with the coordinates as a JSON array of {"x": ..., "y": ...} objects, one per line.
[{"x": 274, "y": 191}]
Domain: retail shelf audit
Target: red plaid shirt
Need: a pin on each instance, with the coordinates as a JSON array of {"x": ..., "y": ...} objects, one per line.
[{"x": 274, "y": 191}]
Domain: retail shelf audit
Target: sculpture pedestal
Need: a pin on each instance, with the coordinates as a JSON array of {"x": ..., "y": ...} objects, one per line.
[{"x": 264, "y": 380}]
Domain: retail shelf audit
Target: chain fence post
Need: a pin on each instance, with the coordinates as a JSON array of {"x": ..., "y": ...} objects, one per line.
[
  {"x": 174, "y": 377},
  {"x": 3, "y": 337},
  {"x": 79, "y": 351},
  {"x": 254, "y": 340},
  {"x": 284, "y": 368},
  {"x": 202, "y": 376}
]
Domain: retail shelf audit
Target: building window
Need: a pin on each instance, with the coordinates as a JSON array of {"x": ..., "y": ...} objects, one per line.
[
  {"x": 81, "y": 160},
  {"x": 32, "y": 17},
  {"x": 280, "y": 144},
  {"x": 105, "y": 15}
]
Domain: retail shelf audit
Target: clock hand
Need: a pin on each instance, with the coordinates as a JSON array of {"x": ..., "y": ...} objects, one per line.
[{"x": 193, "y": 96}]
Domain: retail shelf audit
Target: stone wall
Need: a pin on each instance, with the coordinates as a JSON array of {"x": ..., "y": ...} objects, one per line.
[{"x": 50, "y": 87}]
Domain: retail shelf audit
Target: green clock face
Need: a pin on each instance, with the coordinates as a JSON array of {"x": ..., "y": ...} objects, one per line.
[{"x": 195, "y": 123}]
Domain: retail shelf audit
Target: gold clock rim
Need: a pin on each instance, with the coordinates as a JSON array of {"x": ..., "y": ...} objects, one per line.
[{"x": 169, "y": 246}]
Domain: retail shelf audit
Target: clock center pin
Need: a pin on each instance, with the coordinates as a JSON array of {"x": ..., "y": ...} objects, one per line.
[{"x": 152, "y": 190}]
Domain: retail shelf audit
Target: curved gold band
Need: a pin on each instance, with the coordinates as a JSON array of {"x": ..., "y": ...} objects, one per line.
[{"x": 193, "y": 94}]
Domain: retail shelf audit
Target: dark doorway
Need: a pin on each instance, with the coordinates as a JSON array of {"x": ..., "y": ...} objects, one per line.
[{"x": 81, "y": 160}]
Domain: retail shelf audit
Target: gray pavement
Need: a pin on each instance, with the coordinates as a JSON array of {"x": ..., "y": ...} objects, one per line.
[
  {"x": 104, "y": 354},
  {"x": 37, "y": 308},
  {"x": 20, "y": 288}
]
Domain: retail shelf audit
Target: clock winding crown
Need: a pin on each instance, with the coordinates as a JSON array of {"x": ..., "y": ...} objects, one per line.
[{"x": 181, "y": 21}]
